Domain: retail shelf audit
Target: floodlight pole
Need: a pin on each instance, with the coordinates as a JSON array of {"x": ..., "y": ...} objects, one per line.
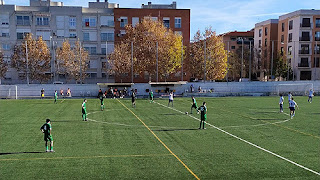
[
  {"x": 250, "y": 61},
  {"x": 182, "y": 60},
  {"x": 272, "y": 50},
  {"x": 241, "y": 59},
  {"x": 157, "y": 63},
  {"x": 131, "y": 61},
  {"x": 80, "y": 62},
  {"x": 205, "y": 60},
  {"x": 27, "y": 62},
  {"x": 227, "y": 60}
]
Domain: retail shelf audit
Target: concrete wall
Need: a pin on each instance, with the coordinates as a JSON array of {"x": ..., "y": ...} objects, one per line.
[{"x": 220, "y": 88}]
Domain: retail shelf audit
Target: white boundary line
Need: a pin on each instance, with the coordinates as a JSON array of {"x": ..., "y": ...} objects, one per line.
[{"x": 243, "y": 140}]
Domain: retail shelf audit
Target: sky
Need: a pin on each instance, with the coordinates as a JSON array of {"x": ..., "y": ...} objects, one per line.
[{"x": 221, "y": 15}]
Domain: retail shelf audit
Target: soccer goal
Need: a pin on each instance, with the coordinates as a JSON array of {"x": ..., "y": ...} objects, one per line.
[
  {"x": 295, "y": 89},
  {"x": 8, "y": 92}
]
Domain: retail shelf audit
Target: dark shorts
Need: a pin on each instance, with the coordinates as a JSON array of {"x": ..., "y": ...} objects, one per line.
[
  {"x": 101, "y": 101},
  {"x": 133, "y": 100},
  {"x": 310, "y": 96},
  {"x": 170, "y": 100},
  {"x": 48, "y": 138},
  {"x": 194, "y": 106},
  {"x": 84, "y": 111},
  {"x": 292, "y": 108}
]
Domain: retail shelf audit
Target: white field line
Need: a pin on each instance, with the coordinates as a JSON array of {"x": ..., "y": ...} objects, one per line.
[{"x": 250, "y": 143}]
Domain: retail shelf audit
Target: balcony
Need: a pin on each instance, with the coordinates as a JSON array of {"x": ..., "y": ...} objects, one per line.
[
  {"x": 316, "y": 51},
  {"x": 303, "y": 51},
  {"x": 317, "y": 38},
  {"x": 306, "y": 25},
  {"x": 303, "y": 65},
  {"x": 305, "y": 38}
]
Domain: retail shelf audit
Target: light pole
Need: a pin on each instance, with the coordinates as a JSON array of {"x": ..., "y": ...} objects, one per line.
[
  {"x": 241, "y": 59},
  {"x": 205, "y": 60},
  {"x": 27, "y": 62}
]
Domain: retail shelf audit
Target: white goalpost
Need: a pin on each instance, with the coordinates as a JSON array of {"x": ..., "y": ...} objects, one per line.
[
  {"x": 8, "y": 92},
  {"x": 295, "y": 89}
]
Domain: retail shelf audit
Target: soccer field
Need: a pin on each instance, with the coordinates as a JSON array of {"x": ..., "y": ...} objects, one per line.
[{"x": 246, "y": 138}]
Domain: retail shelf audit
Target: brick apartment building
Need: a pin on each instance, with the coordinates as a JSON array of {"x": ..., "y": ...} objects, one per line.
[
  {"x": 97, "y": 26},
  {"x": 234, "y": 41},
  {"x": 265, "y": 42},
  {"x": 178, "y": 20}
]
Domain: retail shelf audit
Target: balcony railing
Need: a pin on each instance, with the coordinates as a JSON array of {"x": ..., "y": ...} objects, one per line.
[
  {"x": 303, "y": 51},
  {"x": 316, "y": 51},
  {"x": 305, "y": 38},
  {"x": 303, "y": 65},
  {"x": 306, "y": 25},
  {"x": 317, "y": 38}
]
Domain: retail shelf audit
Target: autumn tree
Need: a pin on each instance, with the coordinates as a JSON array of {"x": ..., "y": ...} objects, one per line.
[
  {"x": 149, "y": 39},
  {"x": 33, "y": 60},
  {"x": 3, "y": 67},
  {"x": 207, "y": 55},
  {"x": 72, "y": 61},
  {"x": 280, "y": 65}
]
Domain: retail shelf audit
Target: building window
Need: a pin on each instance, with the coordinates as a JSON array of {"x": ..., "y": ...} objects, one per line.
[
  {"x": 304, "y": 62},
  {"x": 281, "y": 51},
  {"x": 21, "y": 35},
  {"x": 73, "y": 35},
  {"x": 72, "y": 22},
  {"x": 91, "y": 50},
  {"x": 260, "y": 43},
  {"x": 86, "y": 36},
  {"x": 42, "y": 21},
  {"x": 123, "y": 21},
  {"x": 317, "y": 36},
  {"x": 290, "y": 24},
  {"x": 282, "y": 38},
  {"x": 107, "y": 36},
  {"x": 265, "y": 42},
  {"x": 6, "y": 47},
  {"x": 166, "y": 22},
  {"x": 260, "y": 32},
  {"x": 305, "y": 36},
  {"x": 304, "y": 49},
  {"x": 89, "y": 22},
  {"x": 5, "y": 34},
  {"x": 289, "y": 50},
  {"x": 317, "y": 62},
  {"x": 290, "y": 37},
  {"x": 233, "y": 47},
  {"x": 103, "y": 51},
  {"x": 135, "y": 21},
  {"x": 177, "y": 22},
  {"x": 282, "y": 27},
  {"x": 265, "y": 31},
  {"x": 23, "y": 20},
  {"x": 316, "y": 49},
  {"x": 178, "y": 33},
  {"x": 305, "y": 22},
  {"x": 318, "y": 22}
]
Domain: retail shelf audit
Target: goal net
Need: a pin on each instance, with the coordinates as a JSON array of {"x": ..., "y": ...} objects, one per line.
[
  {"x": 8, "y": 92},
  {"x": 295, "y": 89}
]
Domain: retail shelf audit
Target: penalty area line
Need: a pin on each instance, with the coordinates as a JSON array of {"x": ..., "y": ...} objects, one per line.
[{"x": 250, "y": 143}]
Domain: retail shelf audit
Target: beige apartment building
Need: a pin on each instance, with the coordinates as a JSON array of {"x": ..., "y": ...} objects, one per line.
[
  {"x": 299, "y": 40},
  {"x": 296, "y": 36},
  {"x": 94, "y": 26}
]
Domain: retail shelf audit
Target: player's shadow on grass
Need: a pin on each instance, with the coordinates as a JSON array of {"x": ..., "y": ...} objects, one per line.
[
  {"x": 175, "y": 129},
  {"x": 36, "y": 152},
  {"x": 171, "y": 114}
]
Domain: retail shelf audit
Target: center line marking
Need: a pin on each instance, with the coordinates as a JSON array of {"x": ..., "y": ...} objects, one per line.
[
  {"x": 243, "y": 140},
  {"x": 160, "y": 141}
]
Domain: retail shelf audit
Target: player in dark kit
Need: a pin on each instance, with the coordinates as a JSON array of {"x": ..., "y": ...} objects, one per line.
[
  {"x": 203, "y": 110},
  {"x": 101, "y": 96},
  {"x": 46, "y": 129},
  {"x": 133, "y": 99},
  {"x": 194, "y": 105}
]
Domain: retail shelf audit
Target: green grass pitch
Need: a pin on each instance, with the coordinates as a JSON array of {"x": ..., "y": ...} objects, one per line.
[{"x": 117, "y": 144}]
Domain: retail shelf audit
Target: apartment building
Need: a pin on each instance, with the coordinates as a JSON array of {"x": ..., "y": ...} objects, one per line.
[
  {"x": 178, "y": 20},
  {"x": 265, "y": 47},
  {"x": 299, "y": 40},
  {"x": 97, "y": 27},
  {"x": 234, "y": 41}
]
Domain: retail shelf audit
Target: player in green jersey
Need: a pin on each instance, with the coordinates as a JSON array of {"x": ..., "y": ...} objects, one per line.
[
  {"x": 203, "y": 110},
  {"x": 151, "y": 96},
  {"x": 84, "y": 110},
  {"x": 194, "y": 105},
  {"x": 101, "y": 96},
  {"x": 46, "y": 129},
  {"x": 55, "y": 96}
]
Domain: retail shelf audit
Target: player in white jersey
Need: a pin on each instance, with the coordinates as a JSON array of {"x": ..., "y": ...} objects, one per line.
[
  {"x": 170, "y": 98},
  {"x": 292, "y": 107},
  {"x": 289, "y": 97},
  {"x": 281, "y": 103},
  {"x": 310, "y": 96}
]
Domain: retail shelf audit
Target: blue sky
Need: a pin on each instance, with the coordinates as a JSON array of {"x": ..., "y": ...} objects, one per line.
[{"x": 221, "y": 15}]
